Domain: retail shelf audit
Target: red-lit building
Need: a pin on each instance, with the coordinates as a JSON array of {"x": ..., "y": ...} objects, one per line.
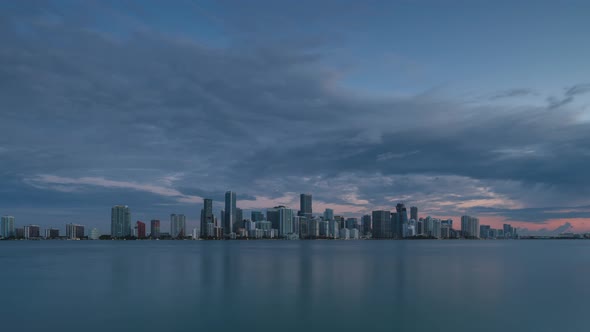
[{"x": 140, "y": 230}]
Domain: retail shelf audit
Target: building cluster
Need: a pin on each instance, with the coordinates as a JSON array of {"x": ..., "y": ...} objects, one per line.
[
  {"x": 8, "y": 230},
  {"x": 279, "y": 222}
]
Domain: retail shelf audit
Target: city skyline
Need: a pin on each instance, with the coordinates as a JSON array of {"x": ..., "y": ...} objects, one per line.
[{"x": 361, "y": 105}]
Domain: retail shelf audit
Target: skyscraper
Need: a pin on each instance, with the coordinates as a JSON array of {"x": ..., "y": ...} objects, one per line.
[
  {"x": 414, "y": 213},
  {"x": 329, "y": 214},
  {"x": 206, "y": 216},
  {"x": 155, "y": 229},
  {"x": 281, "y": 219},
  {"x": 120, "y": 221},
  {"x": 401, "y": 220},
  {"x": 239, "y": 219},
  {"x": 367, "y": 226},
  {"x": 7, "y": 227},
  {"x": 256, "y": 216},
  {"x": 305, "y": 208},
  {"x": 32, "y": 232},
  {"x": 230, "y": 212},
  {"x": 177, "y": 226},
  {"x": 382, "y": 224},
  {"x": 140, "y": 230},
  {"x": 469, "y": 227},
  {"x": 74, "y": 231}
]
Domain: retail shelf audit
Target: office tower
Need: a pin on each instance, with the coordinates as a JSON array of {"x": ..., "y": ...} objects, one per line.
[
  {"x": 297, "y": 220},
  {"x": 400, "y": 220},
  {"x": 344, "y": 234},
  {"x": 351, "y": 223},
  {"x": 281, "y": 219},
  {"x": 32, "y": 232},
  {"x": 314, "y": 229},
  {"x": 155, "y": 229},
  {"x": 140, "y": 229},
  {"x": 329, "y": 214},
  {"x": 436, "y": 228},
  {"x": 206, "y": 216},
  {"x": 256, "y": 216},
  {"x": 382, "y": 224},
  {"x": 484, "y": 231},
  {"x": 414, "y": 213},
  {"x": 239, "y": 219},
  {"x": 120, "y": 221},
  {"x": 74, "y": 231},
  {"x": 94, "y": 234},
  {"x": 177, "y": 226},
  {"x": 230, "y": 212},
  {"x": 324, "y": 228},
  {"x": 367, "y": 226},
  {"x": 51, "y": 233},
  {"x": 333, "y": 228},
  {"x": 428, "y": 226},
  {"x": 445, "y": 231},
  {"x": 420, "y": 227},
  {"x": 305, "y": 209},
  {"x": 469, "y": 227},
  {"x": 508, "y": 230},
  {"x": 7, "y": 227}
]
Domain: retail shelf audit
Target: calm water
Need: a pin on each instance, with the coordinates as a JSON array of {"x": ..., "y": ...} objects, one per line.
[{"x": 295, "y": 285}]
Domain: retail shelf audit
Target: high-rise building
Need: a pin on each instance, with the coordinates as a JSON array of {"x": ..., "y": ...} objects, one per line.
[
  {"x": 414, "y": 213},
  {"x": 351, "y": 223},
  {"x": 7, "y": 227},
  {"x": 140, "y": 229},
  {"x": 382, "y": 224},
  {"x": 239, "y": 219},
  {"x": 206, "y": 216},
  {"x": 155, "y": 229},
  {"x": 51, "y": 233},
  {"x": 484, "y": 231},
  {"x": 367, "y": 226},
  {"x": 256, "y": 216},
  {"x": 120, "y": 221},
  {"x": 400, "y": 220},
  {"x": 281, "y": 219},
  {"x": 177, "y": 226},
  {"x": 329, "y": 214},
  {"x": 32, "y": 232},
  {"x": 229, "y": 218},
  {"x": 305, "y": 209},
  {"x": 74, "y": 231},
  {"x": 469, "y": 227},
  {"x": 19, "y": 233},
  {"x": 94, "y": 234}
]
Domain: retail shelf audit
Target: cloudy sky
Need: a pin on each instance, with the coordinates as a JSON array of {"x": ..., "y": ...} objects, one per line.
[{"x": 457, "y": 107}]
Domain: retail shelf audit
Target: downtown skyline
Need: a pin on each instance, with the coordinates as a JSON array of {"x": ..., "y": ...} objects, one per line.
[{"x": 362, "y": 105}]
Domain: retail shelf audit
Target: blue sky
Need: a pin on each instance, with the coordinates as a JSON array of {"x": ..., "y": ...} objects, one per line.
[{"x": 476, "y": 107}]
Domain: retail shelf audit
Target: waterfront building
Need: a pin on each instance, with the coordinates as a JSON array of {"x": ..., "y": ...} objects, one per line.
[
  {"x": 344, "y": 234},
  {"x": 7, "y": 227},
  {"x": 239, "y": 219},
  {"x": 324, "y": 228},
  {"x": 140, "y": 226},
  {"x": 469, "y": 227},
  {"x": 206, "y": 216},
  {"x": 264, "y": 225},
  {"x": 32, "y": 232},
  {"x": 155, "y": 229},
  {"x": 120, "y": 221},
  {"x": 401, "y": 219},
  {"x": 329, "y": 214},
  {"x": 445, "y": 231},
  {"x": 354, "y": 234},
  {"x": 305, "y": 206},
  {"x": 177, "y": 226},
  {"x": 281, "y": 219},
  {"x": 334, "y": 229},
  {"x": 367, "y": 226},
  {"x": 420, "y": 227},
  {"x": 436, "y": 228},
  {"x": 352, "y": 223},
  {"x": 94, "y": 234},
  {"x": 74, "y": 231},
  {"x": 314, "y": 228},
  {"x": 484, "y": 231},
  {"x": 414, "y": 213},
  {"x": 51, "y": 233},
  {"x": 382, "y": 224},
  {"x": 256, "y": 216},
  {"x": 229, "y": 216}
]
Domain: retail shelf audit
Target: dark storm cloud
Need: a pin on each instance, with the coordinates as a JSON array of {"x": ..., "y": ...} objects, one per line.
[{"x": 148, "y": 118}]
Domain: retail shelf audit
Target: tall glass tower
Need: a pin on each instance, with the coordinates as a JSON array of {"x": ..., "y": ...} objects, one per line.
[
  {"x": 230, "y": 212},
  {"x": 120, "y": 221}
]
